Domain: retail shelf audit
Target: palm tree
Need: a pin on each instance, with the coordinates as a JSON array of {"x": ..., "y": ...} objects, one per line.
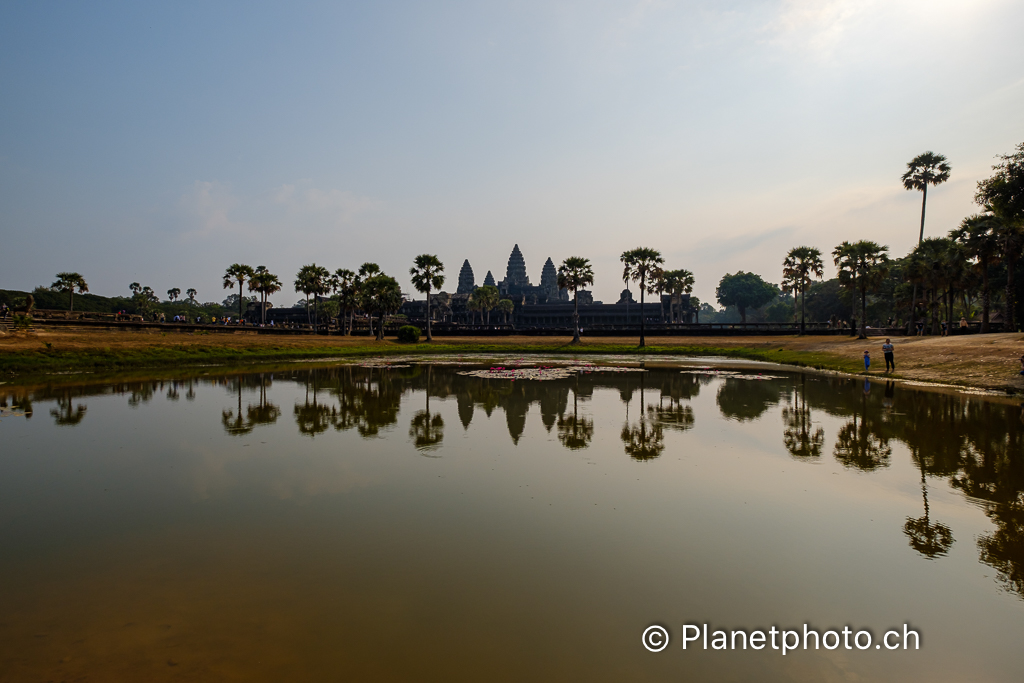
[
  {"x": 427, "y": 274},
  {"x": 862, "y": 266},
  {"x": 640, "y": 265},
  {"x": 798, "y": 267},
  {"x": 574, "y": 274},
  {"x": 173, "y": 293},
  {"x": 265, "y": 283},
  {"x": 315, "y": 280},
  {"x": 69, "y": 282},
  {"x": 1003, "y": 195},
  {"x": 677, "y": 283},
  {"x": 239, "y": 273},
  {"x": 980, "y": 236},
  {"x": 923, "y": 170}
]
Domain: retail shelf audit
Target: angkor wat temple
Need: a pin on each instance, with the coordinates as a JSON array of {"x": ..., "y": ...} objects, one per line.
[
  {"x": 543, "y": 305},
  {"x": 516, "y": 285}
]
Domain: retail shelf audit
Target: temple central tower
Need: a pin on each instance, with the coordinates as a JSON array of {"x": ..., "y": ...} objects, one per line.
[{"x": 515, "y": 274}]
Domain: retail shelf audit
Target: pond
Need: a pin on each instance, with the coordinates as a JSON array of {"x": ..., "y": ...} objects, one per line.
[{"x": 473, "y": 519}]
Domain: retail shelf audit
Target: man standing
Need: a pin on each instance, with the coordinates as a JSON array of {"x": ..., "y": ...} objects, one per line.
[{"x": 887, "y": 350}]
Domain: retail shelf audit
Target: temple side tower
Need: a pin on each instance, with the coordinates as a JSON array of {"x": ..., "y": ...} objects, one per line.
[
  {"x": 489, "y": 280},
  {"x": 467, "y": 283},
  {"x": 549, "y": 280}
]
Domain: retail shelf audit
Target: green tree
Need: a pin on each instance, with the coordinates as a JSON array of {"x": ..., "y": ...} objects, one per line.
[
  {"x": 381, "y": 295},
  {"x": 191, "y": 294},
  {"x": 239, "y": 273},
  {"x": 1003, "y": 195},
  {"x": 979, "y": 234},
  {"x": 862, "y": 266},
  {"x": 69, "y": 282},
  {"x": 574, "y": 274},
  {"x": 265, "y": 284},
  {"x": 173, "y": 294},
  {"x": 800, "y": 265},
  {"x": 506, "y": 306},
  {"x": 427, "y": 274},
  {"x": 745, "y": 290},
  {"x": 641, "y": 265},
  {"x": 315, "y": 280},
  {"x": 929, "y": 266}
]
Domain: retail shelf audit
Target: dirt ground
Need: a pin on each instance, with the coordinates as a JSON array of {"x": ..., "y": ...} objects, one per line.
[{"x": 989, "y": 361}]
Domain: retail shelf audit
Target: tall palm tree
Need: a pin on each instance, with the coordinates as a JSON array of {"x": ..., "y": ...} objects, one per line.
[
  {"x": 928, "y": 265},
  {"x": 862, "y": 266},
  {"x": 315, "y": 280},
  {"x": 239, "y": 273},
  {"x": 800, "y": 264},
  {"x": 69, "y": 282},
  {"x": 427, "y": 274},
  {"x": 574, "y": 274},
  {"x": 173, "y": 293},
  {"x": 923, "y": 170},
  {"x": 191, "y": 294},
  {"x": 980, "y": 236},
  {"x": 639, "y": 265},
  {"x": 265, "y": 283}
]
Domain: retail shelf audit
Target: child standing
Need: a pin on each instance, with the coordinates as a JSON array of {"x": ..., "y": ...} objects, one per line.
[{"x": 867, "y": 360}]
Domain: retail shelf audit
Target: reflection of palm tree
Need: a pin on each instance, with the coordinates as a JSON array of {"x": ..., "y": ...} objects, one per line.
[
  {"x": 859, "y": 447},
  {"x": 575, "y": 432},
  {"x": 427, "y": 430},
  {"x": 644, "y": 440},
  {"x": 798, "y": 438},
  {"x": 931, "y": 539},
  {"x": 65, "y": 414},
  {"x": 263, "y": 412}
]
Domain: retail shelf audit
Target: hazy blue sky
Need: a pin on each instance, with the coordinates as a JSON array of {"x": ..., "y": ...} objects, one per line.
[{"x": 160, "y": 142}]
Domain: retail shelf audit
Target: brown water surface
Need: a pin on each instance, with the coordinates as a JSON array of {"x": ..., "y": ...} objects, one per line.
[{"x": 420, "y": 523}]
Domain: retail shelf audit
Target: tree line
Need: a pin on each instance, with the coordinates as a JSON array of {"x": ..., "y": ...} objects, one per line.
[{"x": 963, "y": 272}]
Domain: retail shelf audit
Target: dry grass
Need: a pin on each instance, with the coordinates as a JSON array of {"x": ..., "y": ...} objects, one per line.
[{"x": 988, "y": 361}]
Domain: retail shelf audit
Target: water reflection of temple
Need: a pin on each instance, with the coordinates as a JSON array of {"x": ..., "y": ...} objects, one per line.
[{"x": 974, "y": 445}]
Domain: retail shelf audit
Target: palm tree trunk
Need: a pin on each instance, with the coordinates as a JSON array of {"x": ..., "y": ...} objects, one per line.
[
  {"x": 71, "y": 304},
  {"x": 575, "y": 316},
  {"x": 643, "y": 286},
  {"x": 429, "y": 338},
  {"x": 924, "y": 200},
  {"x": 239, "y": 301},
  {"x": 803, "y": 307}
]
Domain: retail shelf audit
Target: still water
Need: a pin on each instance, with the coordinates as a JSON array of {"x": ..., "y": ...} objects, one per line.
[{"x": 457, "y": 523}]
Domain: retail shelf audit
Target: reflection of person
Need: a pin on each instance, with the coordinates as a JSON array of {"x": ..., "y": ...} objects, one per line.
[
  {"x": 867, "y": 387},
  {"x": 887, "y": 351},
  {"x": 867, "y": 361},
  {"x": 890, "y": 391}
]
